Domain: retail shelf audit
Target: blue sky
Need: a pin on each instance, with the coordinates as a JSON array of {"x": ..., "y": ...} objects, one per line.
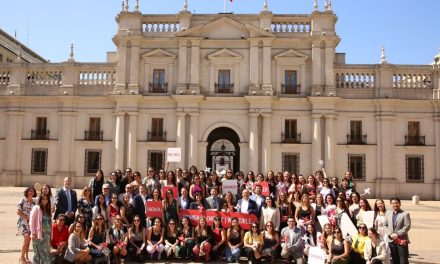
[{"x": 409, "y": 29}]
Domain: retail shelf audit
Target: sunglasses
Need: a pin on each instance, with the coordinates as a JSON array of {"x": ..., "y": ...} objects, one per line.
[
  {"x": 136, "y": 220},
  {"x": 337, "y": 232},
  {"x": 362, "y": 227},
  {"x": 172, "y": 223},
  {"x": 269, "y": 225}
]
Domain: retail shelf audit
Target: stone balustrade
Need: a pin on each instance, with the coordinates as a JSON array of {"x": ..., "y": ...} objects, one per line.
[
  {"x": 404, "y": 81},
  {"x": 291, "y": 24},
  {"x": 160, "y": 24}
]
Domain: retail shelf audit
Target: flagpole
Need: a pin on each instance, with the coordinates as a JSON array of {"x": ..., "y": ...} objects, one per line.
[{"x": 224, "y": 6}]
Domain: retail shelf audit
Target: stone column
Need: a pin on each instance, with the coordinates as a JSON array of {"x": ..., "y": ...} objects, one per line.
[
  {"x": 134, "y": 70},
  {"x": 119, "y": 140},
  {"x": 121, "y": 68},
  {"x": 195, "y": 64},
  {"x": 316, "y": 141},
  {"x": 267, "y": 143},
  {"x": 329, "y": 75},
  {"x": 12, "y": 175},
  {"x": 180, "y": 137},
  {"x": 329, "y": 157},
  {"x": 267, "y": 65},
  {"x": 254, "y": 64},
  {"x": 253, "y": 142},
  {"x": 181, "y": 79},
  {"x": 437, "y": 157},
  {"x": 316, "y": 66},
  {"x": 193, "y": 139},
  {"x": 132, "y": 140}
]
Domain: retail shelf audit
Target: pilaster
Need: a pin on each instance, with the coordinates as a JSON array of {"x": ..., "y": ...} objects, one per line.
[
  {"x": 253, "y": 142},
  {"x": 316, "y": 141},
  {"x": 316, "y": 67},
  {"x": 193, "y": 138},
  {"x": 120, "y": 140},
  {"x": 267, "y": 67},
  {"x": 180, "y": 137},
  {"x": 267, "y": 143},
  {"x": 329, "y": 152},
  {"x": 182, "y": 67},
  {"x": 195, "y": 66},
  {"x": 132, "y": 139}
]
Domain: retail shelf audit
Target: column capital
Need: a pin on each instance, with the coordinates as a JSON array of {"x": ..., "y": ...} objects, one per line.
[
  {"x": 330, "y": 116},
  {"x": 194, "y": 114},
  {"x": 254, "y": 115},
  {"x": 266, "y": 115},
  {"x": 180, "y": 114},
  {"x": 315, "y": 116}
]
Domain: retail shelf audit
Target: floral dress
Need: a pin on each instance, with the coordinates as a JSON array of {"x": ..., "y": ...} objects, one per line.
[
  {"x": 22, "y": 224},
  {"x": 42, "y": 246},
  {"x": 86, "y": 208}
]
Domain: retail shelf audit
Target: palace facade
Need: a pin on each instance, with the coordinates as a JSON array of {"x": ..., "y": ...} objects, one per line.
[{"x": 243, "y": 91}]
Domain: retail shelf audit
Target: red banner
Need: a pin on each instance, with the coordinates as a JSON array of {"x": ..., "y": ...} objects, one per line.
[
  {"x": 174, "y": 189},
  {"x": 265, "y": 188},
  {"x": 153, "y": 209},
  {"x": 245, "y": 220}
]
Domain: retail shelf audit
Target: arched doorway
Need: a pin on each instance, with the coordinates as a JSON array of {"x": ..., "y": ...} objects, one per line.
[{"x": 223, "y": 150}]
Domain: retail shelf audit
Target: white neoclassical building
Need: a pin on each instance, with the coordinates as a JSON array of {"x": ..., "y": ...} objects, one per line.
[{"x": 246, "y": 91}]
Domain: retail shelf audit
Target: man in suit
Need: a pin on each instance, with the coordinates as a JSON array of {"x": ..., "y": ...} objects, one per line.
[
  {"x": 213, "y": 202},
  {"x": 397, "y": 224},
  {"x": 246, "y": 205},
  {"x": 128, "y": 190},
  {"x": 66, "y": 202},
  {"x": 139, "y": 203},
  {"x": 259, "y": 198},
  {"x": 183, "y": 201},
  {"x": 106, "y": 193},
  {"x": 293, "y": 244}
]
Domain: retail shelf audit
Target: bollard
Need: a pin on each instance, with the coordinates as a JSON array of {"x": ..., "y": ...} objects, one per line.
[{"x": 415, "y": 199}]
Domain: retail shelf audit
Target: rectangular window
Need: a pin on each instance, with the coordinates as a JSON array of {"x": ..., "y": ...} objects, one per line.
[
  {"x": 290, "y": 162},
  {"x": 413, "y": 137},
  {"x": 40, "y": 131},
  {"x": 356, "y": 164},
  {"x": 92, "y": 161},
  {"x": 158, "y": 85},
  {"x": 156, "y": 133},
  {"x": 414, "y": 168},
  {"x": 290, "y": 131},
  {"x": 290, "y": 85},
  {"x": 94, "y": 132},
  {"x": 355, "y": 136},
  {"x": 224, "y": 82},
  {"x": 39, "y": 161},
  {"x": 156, "y": 159}
]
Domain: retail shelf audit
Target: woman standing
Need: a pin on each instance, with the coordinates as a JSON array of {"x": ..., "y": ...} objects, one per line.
[
  {"x": 169, "y": 207},
  {"x": 285, "y": 209},
  {"x": 379, "y": 218},
  {"x": 341, "y": 208},
  {"x": 85, "y": 206},
  {"x": 100, "y": 208},
  {"x": 212, "y": 182},
  {"x": 364, "y": 206},
  {"x": 228, "y": 203},
  {"x": 234, "y": 241},
  {"x": 270, "y": 213},
  {"x": 96, "y": 183},
  {"x": 197, "y": 204},
  {"x": 127, "y": 211},
  {"x": 270, "y": 178},
  {"x": 80, "y": 218},
  {"x": 305, "y": 214},
  {"x": 196, "y": 187},
  {"x": 23, "y": 211},
  {"x": 114, "y": 186},
  {"x": 203, "y": 236},
  {"x": 113, "y": 209},
  {"x": 339, "y": 248},
  {"x": 41, "y": 226}
]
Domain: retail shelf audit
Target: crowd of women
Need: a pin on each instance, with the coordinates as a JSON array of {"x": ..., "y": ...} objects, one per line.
[{"x": 107, "y": 221}]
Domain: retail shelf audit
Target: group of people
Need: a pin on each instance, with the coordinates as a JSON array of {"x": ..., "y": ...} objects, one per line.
[{"x": 108, "y": 221}]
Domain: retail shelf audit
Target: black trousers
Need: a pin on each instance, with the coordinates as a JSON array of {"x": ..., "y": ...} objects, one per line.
[{"x": 399, "y": 253}]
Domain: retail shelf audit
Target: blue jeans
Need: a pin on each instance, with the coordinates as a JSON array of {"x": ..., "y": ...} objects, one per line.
[{"x": 232, "y": 255}]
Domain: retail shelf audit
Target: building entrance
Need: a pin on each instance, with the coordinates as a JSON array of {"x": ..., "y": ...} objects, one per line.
[{"x": 223, "y": 150}]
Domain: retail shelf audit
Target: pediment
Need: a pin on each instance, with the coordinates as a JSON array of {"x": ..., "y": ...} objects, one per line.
[
  {"x": 224, "y": 28},
  {"x": 224, "y": 54},
  {"x": 159, "y": 53},
  {"x": 291, "y": 54}
]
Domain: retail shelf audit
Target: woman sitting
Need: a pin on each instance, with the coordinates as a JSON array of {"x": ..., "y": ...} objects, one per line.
[
  {"x": 186, "y": 238},
  {"x": 271, "y": 241},
  {"x": 203, "y": 235},
  {"x": 253, "y": 243},
  {"x": 375, "y": 251},
  {"x": 137, "y": 237},
  {"x": 118, "y": 239},
  {"x": 155, "y": 239},
  {"x": 172, "y": 247},
  {"x": 76, "y": 247},
  {"x": 234, "y": 241},
  {"x": 219, "y": 237},
  {"x": 339, "y": 248}
]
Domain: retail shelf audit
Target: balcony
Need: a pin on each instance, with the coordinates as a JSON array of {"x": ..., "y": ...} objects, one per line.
[
  {"x": 356, "y": 139},
  {"x": 157, "y": 136},
  {"x": 94, "y": 135},
  {"x": 158, "y": 87},
  {"x": 415, "y": 140},
  {"x": 290, "y": 88},
  {"x": 40, "y": 134},
  {"x": 224, "y": 88},
  {"x": 291, "y": 138}
]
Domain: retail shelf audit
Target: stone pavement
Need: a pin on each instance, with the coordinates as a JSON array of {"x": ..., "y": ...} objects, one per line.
[{"x": 423, "y": 235}]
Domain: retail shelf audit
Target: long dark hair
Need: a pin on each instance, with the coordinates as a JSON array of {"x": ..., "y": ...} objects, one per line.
[{"x": 46, "y": 209}]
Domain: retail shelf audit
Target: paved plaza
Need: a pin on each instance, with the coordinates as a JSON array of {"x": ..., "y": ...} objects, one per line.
[{"x": 423, "y": 235}]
